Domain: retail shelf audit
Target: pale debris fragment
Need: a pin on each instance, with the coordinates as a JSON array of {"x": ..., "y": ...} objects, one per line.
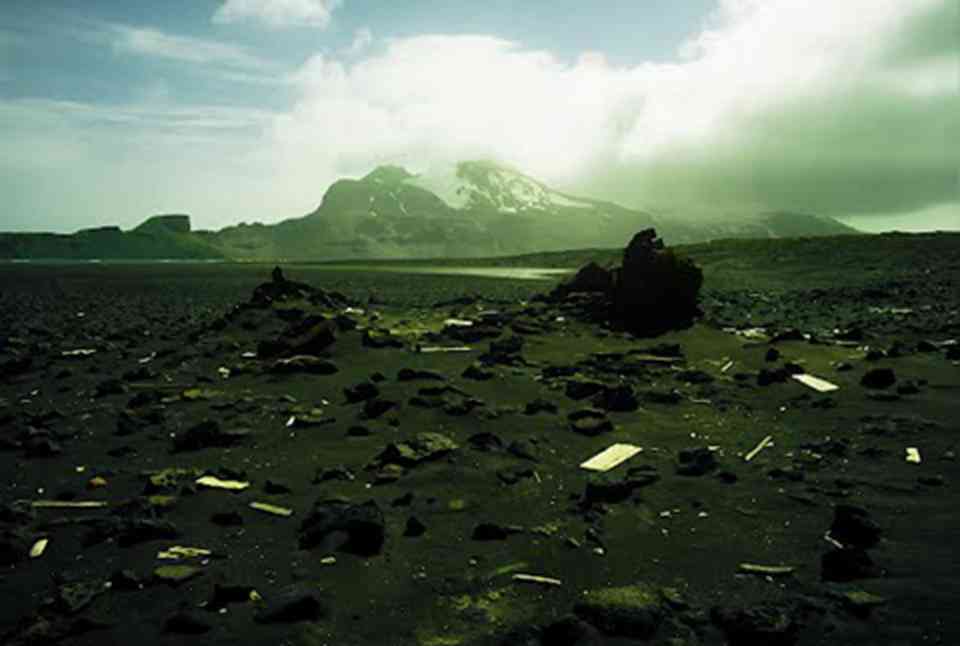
[
  {"x": 271, "y": 509},
  {"x": 433, "y": 349},
  {"x": 818, "y": 384},
  {"x": 178, "y": 552},
  {"x": 79, "y": 352},
  {"x": 726, "y": 366},
  {"x": 913, "y": 455},
  {"x": 213, "y": 482},
  {"x": 611, "y": 457},
  {"x": 766, "y": 570},
  {"x": 39, "y": 547},
  {"x": 458, "y": 323},
  {"x": 764, "y": 443},
  {"x": 68, "y": 504},
  {"x": 534, "y": 578}
]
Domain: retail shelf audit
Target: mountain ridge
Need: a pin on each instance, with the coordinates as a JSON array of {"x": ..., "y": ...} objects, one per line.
[{"x": 477, "y": 208}]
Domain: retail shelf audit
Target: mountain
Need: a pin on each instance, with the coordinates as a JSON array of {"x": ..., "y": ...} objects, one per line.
[
  {"x": 476, "y": 208},
  {"x": 162, "y": 237}
]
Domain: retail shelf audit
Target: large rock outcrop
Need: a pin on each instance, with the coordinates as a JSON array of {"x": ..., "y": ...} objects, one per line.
[{"x": 652, "y": 291}]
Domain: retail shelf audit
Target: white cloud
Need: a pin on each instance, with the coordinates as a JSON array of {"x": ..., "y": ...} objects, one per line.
[
  {"x": 151, "y": 42},
  {"x": 774, "y": 91},
  {"x": 278, "y": 13},
  {"x": 785, "y": 104},
  {"x": 362, "y": 39}
]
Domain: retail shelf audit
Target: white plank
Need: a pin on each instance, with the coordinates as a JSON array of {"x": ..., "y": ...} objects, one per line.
[
  {"x": 610, "y": 457},
  {"x": 818, "y": 384}
]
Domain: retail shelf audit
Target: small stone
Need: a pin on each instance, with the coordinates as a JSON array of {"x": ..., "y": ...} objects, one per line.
[
  {"x": 227, "y": 519},
  {"x": 853, "y": 527},
  {"x": 175, "y": 574},
  {"x": 187, "y": 623},
  {"x": 696, "y": 462},
  {"x": 297, "y": 602},
  {"x": 630, "y": 611},
  {"x": 414, "y": 528},
  {"x": 878, "y": 378}
]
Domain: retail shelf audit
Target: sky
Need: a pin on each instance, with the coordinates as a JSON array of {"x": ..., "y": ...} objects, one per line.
[{"x": 247, "y": 110}]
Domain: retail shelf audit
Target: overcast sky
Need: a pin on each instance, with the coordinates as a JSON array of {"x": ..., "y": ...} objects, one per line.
[{"x": 246, "y": 110}]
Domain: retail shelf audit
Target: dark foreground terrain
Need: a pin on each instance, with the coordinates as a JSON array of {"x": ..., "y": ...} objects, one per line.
[{"x": 410, "y": 488}]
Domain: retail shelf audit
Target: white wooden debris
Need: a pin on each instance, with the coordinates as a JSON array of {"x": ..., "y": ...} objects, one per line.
[
  {"x": 913, "y": 454},
  {"x": 212, "y": 482},
  {"x": 533, "y": 578},
  {"x": 68, "y": 504},
  {"x": 39, "y": 547},
  {"x": 433, "y": 349},
  {"x": 766, "y": 570},
  {"x": 818, "y": 384},
  {"x": 764, "y": 443},
  {"x": 178, "y": 552},
  {"x": 611, "y": 457},
  {"x": 271, "y": 509}
]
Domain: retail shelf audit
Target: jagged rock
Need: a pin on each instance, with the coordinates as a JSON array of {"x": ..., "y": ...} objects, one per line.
[
  {"x": 617, "y": 399},
  {"x": 583, "y": 388},
  {"x": 414, "y": 528},
  {"x": 185, "y": 622},
  {"x": 630, "y": 611},
  {"x": 361, "y": 392},
  {"x": 492, "y": 532},
  {"x": 176, "y": 574},
  {"x": 339, "y": 525},
  {"x": 589, "y": 422},
  {"x": 207, "y": 434},
  {"x": 525, "y": 450},
  {"x": 485, "y": 442},
  {"x": 609, "y": 488},
  {"x": 568, "y": 631},
  {"x": 540, "y": 406},
  {"x": 111, "y": 387},
  {"x": 655, "y": 290},
  {"x": 878, "y": 378},
  {"x": 14, "y": 546},
  {"x": 591, "y": 278},
  {"x": 297, "y": 602},
  {"x": 304, "y": 364},
  {"x": 125, "y": 580},
  {"x": 377, "y": 407},
  {"x": 769, "y": 624},
  {"x": 227, "y": 519},
  {"x": 73, "y": 597},
  {"x": 424, "y": 447},
  {"x": 853, "y": 527},
  {"x": 380, "y": 339},
  {"x": 141, "y": 530},
  {"x": 847, "y": 564},
  {"x": 696, "y": 462},
  {"x": 477, "y": 372}
]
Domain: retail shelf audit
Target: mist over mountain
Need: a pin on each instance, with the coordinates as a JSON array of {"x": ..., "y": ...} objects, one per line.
[{"x": 472, "y": 209}]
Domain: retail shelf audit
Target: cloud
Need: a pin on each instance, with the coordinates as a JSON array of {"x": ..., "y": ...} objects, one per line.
[
  {"x": 841, "y": 108},
  {"x": 144, "y": 41},
  {"x": 362, "y": 39},
  {"x": 278, "y": 13},
  {"x": 838, "y": 108}
]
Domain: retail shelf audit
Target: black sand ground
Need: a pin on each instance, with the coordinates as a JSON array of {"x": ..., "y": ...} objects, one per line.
[{"x": 678, "y": 540}]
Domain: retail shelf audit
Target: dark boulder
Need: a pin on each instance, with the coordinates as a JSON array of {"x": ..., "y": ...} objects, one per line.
[
  {"x": 655, "y": 289},
  {"x": 337, "y": 524}
]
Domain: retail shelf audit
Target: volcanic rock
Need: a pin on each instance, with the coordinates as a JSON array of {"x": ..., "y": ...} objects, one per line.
[
  {"x": 339, "y": 525},
  {"x": 630, "y": 611}
]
